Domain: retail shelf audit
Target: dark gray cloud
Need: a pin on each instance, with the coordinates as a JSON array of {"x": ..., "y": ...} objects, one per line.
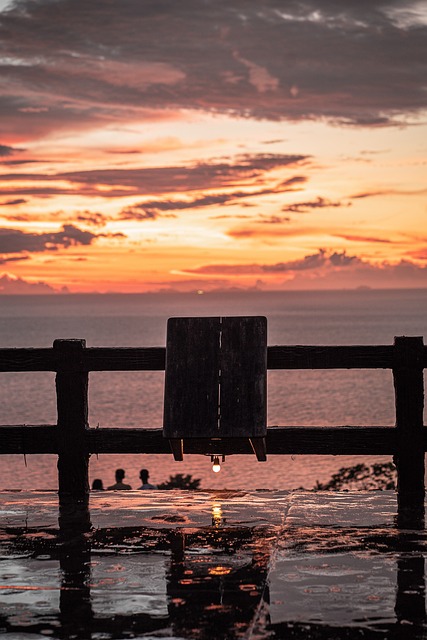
[
  {"x": 312, "y": 261},
  {"x": 19, "y": 163},
  {"x": 7, "y": 151},
  {"x": 152, "y": 209},
  {"x": 16, "y": 241},
  {"x": 404, "y": 274},
  {"x": 139, "y": 212},
  {"x": 70, "y": 63},
  {"x": 320, "y": 259},
  {"x": 326, "y": 269},
  {"x": 271, "y": 219},
  {"x": 341, "y": 259},
  {"x": 389, "y": 192},
  {"x": 231, "y": 172},
  {"x": 92, "y": 218},
  {"x": 13, "y": 203},
  {"x": 41, "y": 192},
  {"x": 318, "y": 203}
]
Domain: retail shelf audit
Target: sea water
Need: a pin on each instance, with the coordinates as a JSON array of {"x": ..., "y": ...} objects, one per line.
[{"x": 135, "y": 399}]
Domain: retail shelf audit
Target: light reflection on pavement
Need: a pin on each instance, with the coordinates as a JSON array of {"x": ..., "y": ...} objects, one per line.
[{"x": 217, "y": 564}]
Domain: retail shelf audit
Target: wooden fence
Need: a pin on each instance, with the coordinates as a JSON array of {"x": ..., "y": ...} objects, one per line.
[{"x": 74, "y": 441}]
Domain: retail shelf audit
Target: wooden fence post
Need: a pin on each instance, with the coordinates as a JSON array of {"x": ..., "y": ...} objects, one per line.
[
  {"x": 409, "y": 396},
  {"x": 72, "y": 404}
]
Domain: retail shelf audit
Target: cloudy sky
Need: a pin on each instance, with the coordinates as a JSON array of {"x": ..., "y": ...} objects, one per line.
[{"x": 207, "y": 144}]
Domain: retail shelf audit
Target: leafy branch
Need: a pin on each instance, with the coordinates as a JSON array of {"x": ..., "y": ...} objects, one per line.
[
  {"x": 181, "y": 481},
  {"x": 379, "y": 476}
]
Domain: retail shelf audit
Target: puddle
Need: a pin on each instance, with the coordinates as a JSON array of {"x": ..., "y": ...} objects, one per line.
[{"x": 223, "y": 566}]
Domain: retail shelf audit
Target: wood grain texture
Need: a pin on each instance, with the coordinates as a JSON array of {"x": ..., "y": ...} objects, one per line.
[
  {"x": 243, "y": 381},
  {"x": 28, "y": 439},
  {"x": 72, "y": 405},
  {"x": 124, "y": 358},
  {"x": 192, "y": 378},
  {"x": 408, "y": 378},
  {"x": 153, "y": 358},
  {"x": 216, "y": 382},
  {"x": 330, "y": 357},
  {"x": 92, "y": 359},
  {"x": 280, "y": 440},
  {"x": 19, "y": 359},
  {"x": 73, "y": 441}
]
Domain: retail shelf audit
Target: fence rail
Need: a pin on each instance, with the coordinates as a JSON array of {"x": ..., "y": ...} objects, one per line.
[
  {"x": 74, "y": 441},
  {"x": 153, "y": 358}
]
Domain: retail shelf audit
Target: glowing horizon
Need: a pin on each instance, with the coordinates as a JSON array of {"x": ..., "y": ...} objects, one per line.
[{"x": 212, "y": 147}]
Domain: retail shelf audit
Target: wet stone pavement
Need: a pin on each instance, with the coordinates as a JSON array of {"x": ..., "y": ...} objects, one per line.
[{"x": 211, "y": 564}]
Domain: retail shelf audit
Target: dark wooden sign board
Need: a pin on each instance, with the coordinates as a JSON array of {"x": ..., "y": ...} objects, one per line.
[{"x": 216, "y": 380}]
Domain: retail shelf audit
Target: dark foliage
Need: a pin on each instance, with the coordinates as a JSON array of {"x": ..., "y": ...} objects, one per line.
[
  {"x": 181, "y": 481},
  {"x": 379, "y": 475}
]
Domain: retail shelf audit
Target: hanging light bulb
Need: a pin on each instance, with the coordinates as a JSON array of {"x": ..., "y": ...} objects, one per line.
[{"x": 216, "y": 467}]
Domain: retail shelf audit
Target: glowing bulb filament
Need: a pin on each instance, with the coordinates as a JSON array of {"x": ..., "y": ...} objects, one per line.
[{"x": 216, "y": 467}]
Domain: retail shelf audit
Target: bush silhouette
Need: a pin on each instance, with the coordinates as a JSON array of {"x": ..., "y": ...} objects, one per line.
[
  {"x": 181, "y": 481},
  {"x": 379, "y": 475}
]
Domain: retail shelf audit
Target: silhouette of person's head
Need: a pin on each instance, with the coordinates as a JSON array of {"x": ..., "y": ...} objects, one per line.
[
  {"x": 120, "y": 474},
  {"x": 143, "y": 474},
  {"x": 97, "y": 485}
]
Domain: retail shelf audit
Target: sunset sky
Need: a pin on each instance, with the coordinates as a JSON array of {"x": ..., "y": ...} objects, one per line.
[{"x": 198, "y": 145}]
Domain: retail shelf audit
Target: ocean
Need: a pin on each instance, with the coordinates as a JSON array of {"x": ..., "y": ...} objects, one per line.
[{"x": 135, "y": 399}]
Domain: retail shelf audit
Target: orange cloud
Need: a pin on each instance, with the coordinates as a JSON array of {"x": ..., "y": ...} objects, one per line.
[
  {"x": 359, "y": 238},
  {"x": 12, "y": 285},
  {"x": 321, "y": 270},
  {"x": 321, "y": 259},
  {"x": 270, "y": 231}
]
